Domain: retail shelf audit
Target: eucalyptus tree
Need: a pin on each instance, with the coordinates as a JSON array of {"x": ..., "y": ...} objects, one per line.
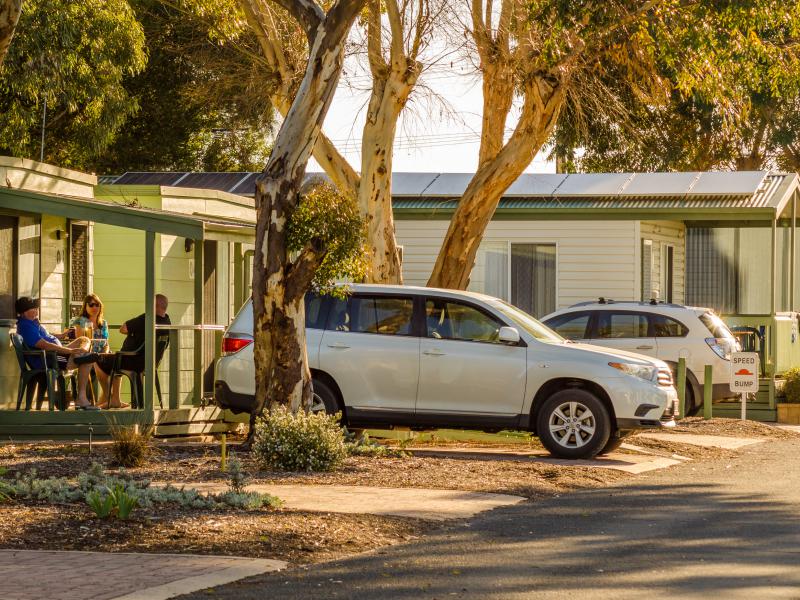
[
  {"x": 589, "y": 56},
  {"x": 9, "y": 16},
  {"x": 301, "y": 235}
]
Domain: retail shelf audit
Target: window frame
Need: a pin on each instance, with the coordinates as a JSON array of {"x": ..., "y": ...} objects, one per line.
[
  {"x": 413, "y": 330},
  {"x": 596, "y": 321},
  {"x": 423, "y": 299},
  {"x": 575, "y": 315},
  {"x": 655, "y": 316}
]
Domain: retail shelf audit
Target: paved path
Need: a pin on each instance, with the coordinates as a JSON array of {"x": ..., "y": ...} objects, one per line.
[
  {"x": 706, "y": 441},
  {"x": 436, "y": 505},
  {"x": 54, "y": 575},
  {"x": 703, "y": 529},
  {"x": 641, "y": 462}
]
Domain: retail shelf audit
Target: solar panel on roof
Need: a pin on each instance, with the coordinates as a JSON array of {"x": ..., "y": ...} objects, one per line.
[
  {"x": 411, "y": 184},
  {"x": 145, "y": 178},
  {"x": 535, "y": 184},
  {"x": 744, "y": 183},
  {"x": 660, "y": 184},
  {"x": 592, "y": 184},
  {"x": 246, "y": 186},
  {"x": 211, "y": 181}
]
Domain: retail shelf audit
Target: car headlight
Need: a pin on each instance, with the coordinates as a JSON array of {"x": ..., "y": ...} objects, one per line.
[{"x": 640, "y": 371}]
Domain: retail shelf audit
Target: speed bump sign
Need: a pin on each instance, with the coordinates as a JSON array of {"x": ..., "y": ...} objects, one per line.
[{"x": 744, "y": 372}]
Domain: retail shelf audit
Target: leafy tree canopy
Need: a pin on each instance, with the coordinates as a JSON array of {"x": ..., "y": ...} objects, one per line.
[
  {"x": 747, "y": 119},
  {"x": 204, "y": 102},
  {"x": 74, "y": 55}
]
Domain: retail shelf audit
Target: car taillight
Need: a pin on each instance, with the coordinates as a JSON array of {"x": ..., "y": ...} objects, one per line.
[{"x": 231, "y": 345}]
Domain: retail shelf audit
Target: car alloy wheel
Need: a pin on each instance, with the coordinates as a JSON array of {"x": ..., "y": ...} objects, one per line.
[
  {"x": 317, "y": 404},
  {"x": 572, "y": 425}
]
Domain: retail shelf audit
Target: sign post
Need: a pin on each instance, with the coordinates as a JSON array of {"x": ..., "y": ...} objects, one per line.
[{"x": 744, "y": 376}]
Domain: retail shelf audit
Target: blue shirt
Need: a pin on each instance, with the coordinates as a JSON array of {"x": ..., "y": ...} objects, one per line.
[{"x": 32, "y": 331}]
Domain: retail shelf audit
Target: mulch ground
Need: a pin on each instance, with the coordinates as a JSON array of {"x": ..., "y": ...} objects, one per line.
[{"x": 299, "y": 537}]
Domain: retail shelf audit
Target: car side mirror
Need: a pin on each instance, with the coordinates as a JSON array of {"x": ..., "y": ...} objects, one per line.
[{"x": 509, "y": 335}]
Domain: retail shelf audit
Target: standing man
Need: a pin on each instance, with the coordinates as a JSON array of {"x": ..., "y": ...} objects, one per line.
[{"x": 74, "y": 356}]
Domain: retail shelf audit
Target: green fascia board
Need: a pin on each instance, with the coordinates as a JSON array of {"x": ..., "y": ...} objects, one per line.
[
  {"x": 74, "y": 417},
  {"x": 101, "y": 212},
  {"x": 554, "y": 214}
]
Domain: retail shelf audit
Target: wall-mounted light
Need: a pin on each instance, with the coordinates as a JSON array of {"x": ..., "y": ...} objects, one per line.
[
  {"x": 188, "y": 244},
  {"x": 60, "y": 234}
]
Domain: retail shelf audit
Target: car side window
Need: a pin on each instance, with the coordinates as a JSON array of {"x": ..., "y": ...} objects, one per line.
[
  {"x": 616, "y": 325},
  {"x": 666, "y": 327},
  {"x": 383, "y": 315},
  {"x": 315, "y": 311},
  {"x": 571, "y": 326},
  {"x": 448, "y": 320}
]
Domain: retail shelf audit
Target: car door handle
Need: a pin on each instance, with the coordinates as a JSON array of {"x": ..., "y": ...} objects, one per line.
[
  {"x": 433, "y": 352},
  {"x": 338, "y": 346},
  {"x": 644, "y": 347}
]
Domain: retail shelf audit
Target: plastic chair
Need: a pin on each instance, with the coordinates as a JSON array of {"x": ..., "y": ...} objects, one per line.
[
  {"x": 136, "y": 378},
  {"x": 31, "y": 379}
]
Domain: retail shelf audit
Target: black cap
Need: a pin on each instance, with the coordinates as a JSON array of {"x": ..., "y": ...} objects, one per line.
[{"x": 25, "y": 303}]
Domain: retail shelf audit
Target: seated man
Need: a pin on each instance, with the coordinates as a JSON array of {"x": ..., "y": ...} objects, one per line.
[
  {"x": 134, "y": 330},
  {"x": 68, "y": 358}
]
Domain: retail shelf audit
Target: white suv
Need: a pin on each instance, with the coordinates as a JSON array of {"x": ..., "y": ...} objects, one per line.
[
  {"x": 424, "y": 358},
  {"x": 665, "y": 331}
]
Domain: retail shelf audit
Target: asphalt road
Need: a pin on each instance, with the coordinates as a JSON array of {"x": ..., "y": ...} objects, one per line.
[{"x": 724, "y": 529}]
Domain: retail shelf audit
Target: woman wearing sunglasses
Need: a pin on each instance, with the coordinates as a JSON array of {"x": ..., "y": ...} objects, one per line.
[{"x": 92, "y": 324}]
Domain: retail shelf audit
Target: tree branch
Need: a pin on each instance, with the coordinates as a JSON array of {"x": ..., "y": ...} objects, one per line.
[
  {"x": 396, "y": 26},
  {"x": 308, "y": 13}
]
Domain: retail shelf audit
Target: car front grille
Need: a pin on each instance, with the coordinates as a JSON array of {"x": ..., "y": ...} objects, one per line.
[{"x": 664, "y": 377}]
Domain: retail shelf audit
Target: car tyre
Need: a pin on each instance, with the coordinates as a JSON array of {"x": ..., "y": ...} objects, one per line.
[
  {"x": 573, "y": 424},
  {"x": 324, "y": 399},
  {"x": 691, "y": 408}
]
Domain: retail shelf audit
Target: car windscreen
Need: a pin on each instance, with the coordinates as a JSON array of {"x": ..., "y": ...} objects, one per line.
[
  {"x": 538, "y": 330},
  {"x": 716, "y": 326}
]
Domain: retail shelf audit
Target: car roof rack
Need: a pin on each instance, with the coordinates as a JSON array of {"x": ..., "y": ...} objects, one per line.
[{"x": 651, "y": 302}]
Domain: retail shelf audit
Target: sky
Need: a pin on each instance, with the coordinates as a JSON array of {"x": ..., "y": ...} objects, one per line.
[{"x": 439, "y": 130}]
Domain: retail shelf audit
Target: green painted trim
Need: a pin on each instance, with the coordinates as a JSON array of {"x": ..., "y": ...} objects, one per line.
[
  {"x": 238, "y": 276},
  {"x": 149, "y": 320},
  {"x": 566, "y": 214},
  {"x": 100, "y": 212},
  {"x": 125, "y": 191},
  {"x": 197, "y": 396}
]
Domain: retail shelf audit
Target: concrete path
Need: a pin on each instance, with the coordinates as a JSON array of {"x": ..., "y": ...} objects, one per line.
[
  {"x": 707, "y": 529},
  {"x": 436, "y": 505},
  {"x": 56, "y": 575},
  {"x": 641, "y": 462},
  {"x": 706, "y": 441}
]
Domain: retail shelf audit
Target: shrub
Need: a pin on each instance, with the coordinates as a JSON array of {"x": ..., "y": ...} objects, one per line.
[
  {"x": 100, "y": 503},
  {"x": 301, "y": 442},
  {"x": 363, "y": 446},
  {"x": 131, "y": 445},
  {"x": 237, "y": 477},
  {"x": 791, "y": 386}
]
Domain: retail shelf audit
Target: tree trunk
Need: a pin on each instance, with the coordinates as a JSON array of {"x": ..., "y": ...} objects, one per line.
[
  {"x": 543, "y": 101},
  {"x": 9, "y": 17},
  {"x": 280, "y": 283},
  {"x": 388, "y": 98}
]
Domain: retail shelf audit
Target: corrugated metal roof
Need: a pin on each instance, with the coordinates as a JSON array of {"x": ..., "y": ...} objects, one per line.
[{"x": 531, "y": 191}]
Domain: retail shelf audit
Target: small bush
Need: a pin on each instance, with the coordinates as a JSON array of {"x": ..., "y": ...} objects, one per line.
[
  {"x": 791, "y": 386},
  {"x": 101, "y": 504},
  {"x": 363, "y": 446},
  {"x": 301, "y": 442},
  {"x": 131, "y": 445},
  {"x": 237, "y": 476}
]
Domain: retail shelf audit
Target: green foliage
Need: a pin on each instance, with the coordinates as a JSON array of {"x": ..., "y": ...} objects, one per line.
[
  {"x": 102, "y": 504},
  {"x": 364, "y": 446},
  {"x": 730, "y": 73},
  {"x": 131, "y": 445},
  {"x": 327, "y": 221},
  {"x": 791, "y": 387},
  {"x": 299, "y": 442},
  {"x": 95, "y": 488},
  {"x": 74, "y": 55},
  {"x": 203, "y": 97},
  {"x": 237, "y": 477}
]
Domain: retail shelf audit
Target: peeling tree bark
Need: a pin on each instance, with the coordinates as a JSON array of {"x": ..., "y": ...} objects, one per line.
[
  {"x": 279, "y": 283},
  {"x": 9, "y": 17},
  {"x": 543, "y": 101}
]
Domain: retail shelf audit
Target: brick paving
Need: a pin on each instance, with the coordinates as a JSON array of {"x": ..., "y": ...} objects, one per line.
[{"x": 38, "y": 574}]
